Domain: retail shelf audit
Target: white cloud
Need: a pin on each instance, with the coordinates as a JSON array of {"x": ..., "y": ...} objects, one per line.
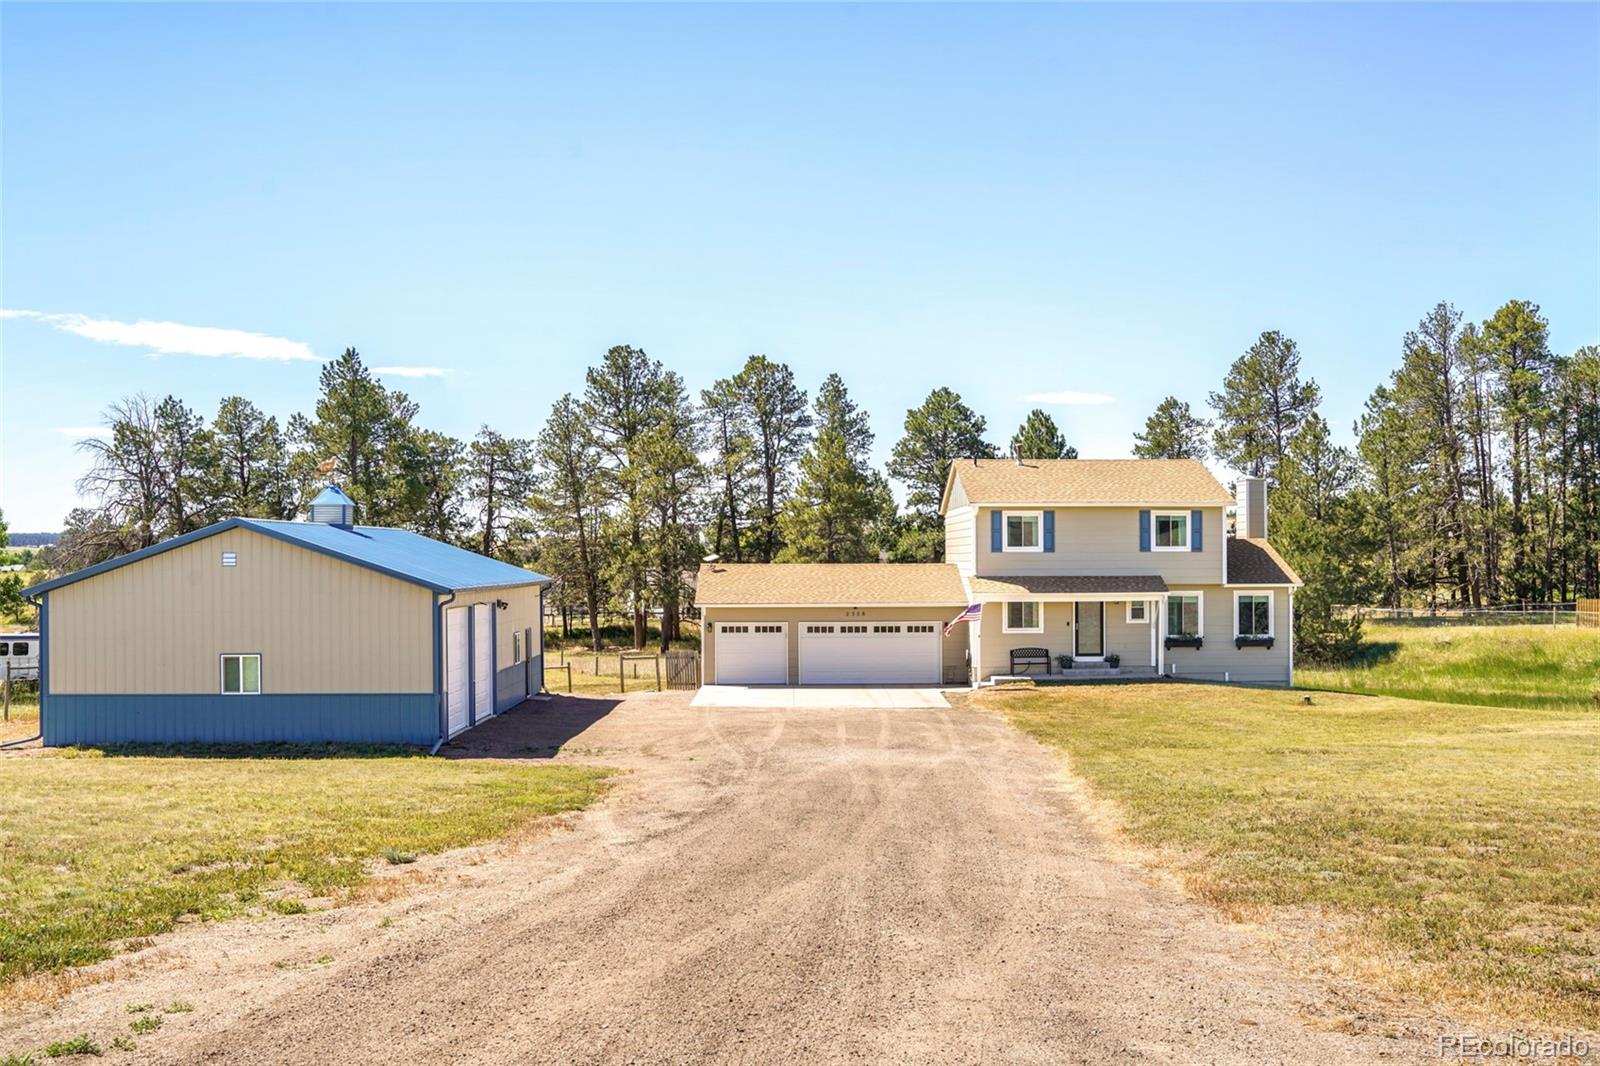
[
  {"x": 411, "y": 371},
  {"x": 175, "y": 338},
  {"x": 1069, "y": 398},
  {"x": 85, "y": 431}
]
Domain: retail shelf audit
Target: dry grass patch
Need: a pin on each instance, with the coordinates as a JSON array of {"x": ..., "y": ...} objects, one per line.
[
  {"x": 1456, "y": 847},
  {"x": 99, "y": 850}
]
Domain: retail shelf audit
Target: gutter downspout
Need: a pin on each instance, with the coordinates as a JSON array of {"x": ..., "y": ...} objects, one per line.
[{"x": 438, "y": 670}]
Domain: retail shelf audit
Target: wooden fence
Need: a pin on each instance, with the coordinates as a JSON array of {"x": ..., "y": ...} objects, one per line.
[{"x": 1589, "y": 614}]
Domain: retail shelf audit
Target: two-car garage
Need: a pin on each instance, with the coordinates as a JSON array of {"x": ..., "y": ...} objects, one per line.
[{"x": 831, "y": 624}]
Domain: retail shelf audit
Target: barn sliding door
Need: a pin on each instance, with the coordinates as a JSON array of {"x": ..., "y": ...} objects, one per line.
[
  {"x": 482, "y": 662},
  {"x": 457, "y": 670}
]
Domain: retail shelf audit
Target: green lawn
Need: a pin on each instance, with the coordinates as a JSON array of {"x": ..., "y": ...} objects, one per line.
[
  {"x": 1501, "y": 666},
  {"x": 1457, "y": 848},
  {"x": 97, "y": 850}
]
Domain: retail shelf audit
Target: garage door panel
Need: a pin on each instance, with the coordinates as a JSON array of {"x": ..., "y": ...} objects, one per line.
[
  {"x": 457, "y": 671},
  {"x": 752, "y": 653},
  {"x": 870, "y": 653}
]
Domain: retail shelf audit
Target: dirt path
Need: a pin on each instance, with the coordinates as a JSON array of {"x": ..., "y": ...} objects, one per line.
[{"x": 864, "y": 885}]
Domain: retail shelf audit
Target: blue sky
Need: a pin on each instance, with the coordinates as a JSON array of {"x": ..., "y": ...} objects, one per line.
[{"x": 1009, "y": 200}]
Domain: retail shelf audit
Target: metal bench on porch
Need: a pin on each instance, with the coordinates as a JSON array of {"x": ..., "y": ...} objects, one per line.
[{"x": 1024, "y": 660}]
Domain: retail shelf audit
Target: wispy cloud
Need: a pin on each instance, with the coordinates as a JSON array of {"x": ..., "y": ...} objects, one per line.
[
  {"x": 80, "y": 432},
  {"x": 411, "y": 371},
  {"x": 175, "y": 338},
  {"x": 1069, "y": 398}
]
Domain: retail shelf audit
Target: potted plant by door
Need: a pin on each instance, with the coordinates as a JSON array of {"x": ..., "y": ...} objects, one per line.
[
  {"x": 1113, "y": 660},
  {"x": 1065, "y": 662}
]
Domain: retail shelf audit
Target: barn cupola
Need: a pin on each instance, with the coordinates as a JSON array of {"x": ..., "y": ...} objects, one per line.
[{"x": 332, "y": 507}]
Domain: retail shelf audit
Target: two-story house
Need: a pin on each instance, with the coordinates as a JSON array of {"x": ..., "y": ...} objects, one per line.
[{"x": 1124, "y": 560}]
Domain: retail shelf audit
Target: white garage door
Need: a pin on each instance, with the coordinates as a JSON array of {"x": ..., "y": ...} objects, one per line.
[
  {"x": 482, "y": 661},
  {"x": 457, "y": 673},
  {"x": 752, "y": 653},
  {"x": 870, "y": 653}
]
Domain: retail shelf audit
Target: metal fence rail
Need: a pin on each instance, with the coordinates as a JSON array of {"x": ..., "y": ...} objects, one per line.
[{"x": 1565, "y": 613}]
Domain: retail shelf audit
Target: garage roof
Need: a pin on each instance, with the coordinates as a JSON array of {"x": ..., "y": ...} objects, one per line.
[
  {"x": 399, "y": 553},
  {"x": 1104, "y": 482},
  {"x": 829, "y": 585},
  {"x": 1066, "y": 585}
]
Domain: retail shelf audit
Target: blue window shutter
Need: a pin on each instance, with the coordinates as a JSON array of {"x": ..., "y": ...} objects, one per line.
[
  {"x": 1144, "y": 531},
  {"x": 995, "y": 543},
  {"x": 1196, "y": 543},
  {"x": 1049, "y": 531}
]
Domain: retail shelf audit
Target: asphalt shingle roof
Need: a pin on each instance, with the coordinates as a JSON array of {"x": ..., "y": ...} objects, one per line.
[
  {"x": 1252, "y": 561},
  {"x": 828, "y": 584},
  {"x": 1183, "y": 482}
]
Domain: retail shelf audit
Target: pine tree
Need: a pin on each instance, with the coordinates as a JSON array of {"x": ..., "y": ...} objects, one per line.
[
  {"x": 1039, "y": 438},
  {"x": 837, "y": 506},
  {"x": 779, "y": 422},
  {"x": 1262, "y": 403},
  {"x": 672, "y": 479},
  {"x": 1516, "y": 339},
  {"x": 499, "y": 477},
  {"x": 1173, "y": 431},
  {"x": 734, "y": 472},
  {"x": 569, "y": 504},
  {"x": 252, "y": 462},
  {"x": 937, "y": 433}
]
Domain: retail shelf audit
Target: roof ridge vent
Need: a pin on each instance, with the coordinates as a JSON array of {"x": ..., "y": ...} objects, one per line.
[{"x": 332, "y": 507}]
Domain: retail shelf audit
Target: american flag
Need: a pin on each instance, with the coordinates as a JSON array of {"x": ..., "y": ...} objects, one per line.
[{"x": 971, "y": 614}]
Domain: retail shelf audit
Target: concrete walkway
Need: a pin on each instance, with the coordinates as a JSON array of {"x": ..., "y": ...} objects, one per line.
[{"x": 817, "y": 696}]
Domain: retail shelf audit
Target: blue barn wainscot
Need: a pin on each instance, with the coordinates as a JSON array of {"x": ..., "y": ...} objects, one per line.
[{"x": 254, "y": 631}]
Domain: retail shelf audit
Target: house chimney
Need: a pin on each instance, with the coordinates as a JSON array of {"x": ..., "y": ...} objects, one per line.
[
  {"x": 1250, "y": 519},
  {"x": 332, "y": 507}
]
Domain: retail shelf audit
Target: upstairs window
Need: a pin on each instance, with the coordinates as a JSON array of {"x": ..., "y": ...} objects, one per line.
[
  {"x": 1253, "y": 614},
  {"x": 1171, "y": 531},
  {"x": 1024, "y": 531},
  {"x": 241, "y": 675},
  {"x": 1183, "y": 615}
]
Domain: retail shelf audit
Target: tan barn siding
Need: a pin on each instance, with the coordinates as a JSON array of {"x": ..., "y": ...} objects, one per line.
[
  {"x": 954, "y": 646},
  {"x": 1105, "y": 540},
  {"x": 320, "y": 625}
]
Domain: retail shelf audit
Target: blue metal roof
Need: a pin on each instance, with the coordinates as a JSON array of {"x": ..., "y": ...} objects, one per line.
[
  {"x": 396, "y": 552},
  {"x": 332, "y": 496}
]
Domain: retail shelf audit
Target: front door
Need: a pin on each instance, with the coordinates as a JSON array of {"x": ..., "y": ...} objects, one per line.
[{"x": 1089, "y": 629}]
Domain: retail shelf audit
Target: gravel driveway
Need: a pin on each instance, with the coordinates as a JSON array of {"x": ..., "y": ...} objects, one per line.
[{"x": 765, "y": 886}]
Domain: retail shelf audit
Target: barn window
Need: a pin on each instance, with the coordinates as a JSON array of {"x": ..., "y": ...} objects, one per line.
[
  {"x": 5, "y": 649},
  {"x": 516, "y": 647},
  {"x": 230, "y": 558},
  {"x": 241, "y": 675}
]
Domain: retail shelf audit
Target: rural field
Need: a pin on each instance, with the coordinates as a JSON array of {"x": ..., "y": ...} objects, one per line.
[
  {"x": 102, "y": 850},
  {"x": 1498, "y": 666},
  {"x": 1455, "y": 848}
]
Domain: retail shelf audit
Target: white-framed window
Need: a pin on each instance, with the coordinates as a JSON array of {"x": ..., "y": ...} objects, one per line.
[
  {"x": 1169, "y": 531},
  {"x": 1023, "y": 531},
  {"x": 1138, "y": 612},
  {"x": 1252, "y": 614},
  {"x": 241, "y": 674},
  {"x": 1024, "y": 616},
  {"x": 516, "y": 646},
  {"x": 1186, "y": 616},
  {"x": 778, "y": 628}
]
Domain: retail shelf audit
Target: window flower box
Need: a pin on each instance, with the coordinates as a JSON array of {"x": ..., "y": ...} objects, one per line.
[
  {"x": 1252, "y": 642},
  {"x": 1179, "y": 641}
]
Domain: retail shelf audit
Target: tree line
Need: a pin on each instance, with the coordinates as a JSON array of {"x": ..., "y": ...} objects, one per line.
[{"x": 1473, "y": 479}]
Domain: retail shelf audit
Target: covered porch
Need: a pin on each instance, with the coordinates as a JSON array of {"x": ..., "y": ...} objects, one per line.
[{"x": 1068, "y": 628}]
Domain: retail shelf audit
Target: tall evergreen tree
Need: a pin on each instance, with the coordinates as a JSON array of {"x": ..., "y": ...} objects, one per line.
[
  {"x": 252, "y": 462},
  {"x": 499, "y": 477},
  {"x": 368, "y": 429},
  {"x": 569, "y": 504},
  {"x": 1516, "y": 339},
  {"x": 439, "y": 476},
  {"x": 1039, "y": 438},
  {"x": 1173, "y": 431},
  {"x": 1262, "y": 402},
  {"x": 734, "y": 472},
  {"x": 779, "y": 421},
  {"x": 837, "y": 506},
  {"x": 940, "y": 431},
  {"x": 673, "y": 477}
]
